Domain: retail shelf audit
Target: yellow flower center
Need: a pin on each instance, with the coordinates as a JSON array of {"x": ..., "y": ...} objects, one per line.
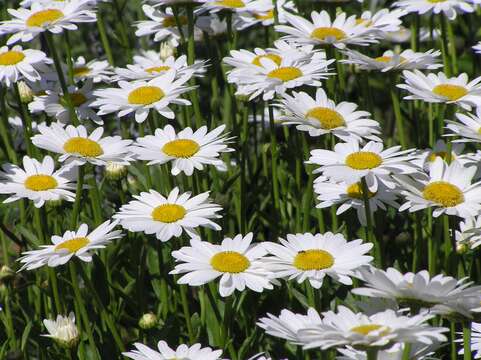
[
  {"x": 230, "y": 3},
  {"x": 44, "y": 17},
  {"x": 451, "y": 92},
  {"x": 436, "y": 1},
  {"x": 323, "y": 33},
  {"x": 73, "y": 245},
  {"x": 363, "y": 160},
  {"x": 157, "y": 69},
  {"x": 355, "y": 191},
  {"x": 386, "y": 59},
  {"x": 168, "y": 213},
  {"x": 181, "y": 148},
  {"x": 83, "y": 146},
  {"x": 287, "y": 73},
  {"x": 40, "y": 182},
  {"x": 145, "y": 95},
  {"x": 435, "y": 154},
  {"x": 11, "y": 58},
  {"x": 366, "y": 329},
  {"x": 443, "y": 193},
  {"x": 327, "y": 118},
  {"x": 230, "y": 262},
  {"x": 77, "y": 99},
  {"x": 364, "y": 22},
  {"x": 265, "y": 16},
  {"x": 169, "y": 21},
  {"x": 313, "y": 260},
  {"x": 81, "y": 71},
  {"x": 276, "y": 58}
]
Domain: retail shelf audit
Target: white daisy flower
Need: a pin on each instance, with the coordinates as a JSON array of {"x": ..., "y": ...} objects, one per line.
[
  {"x": 440, "y": 89},
  {"x": 78, "y": 243},
  {"x": 187, "y": 150},
  {"x": 403, "y": 35},
  {"x": 183, "y": 352},
  {"x": 235, "y": 6},
  {"x": 395, "y": 352},
  {"x": 54, "y": 104},
  {"x": 168, "y": 217},
  {"x": 383, "y": 20},
  {"x": 16, "y": 63},
  {"x": 175, "y": 2},
  {"x": 475, "y": 341},
  {"x": 477, "y": 48},
  {"x": 236, "y": 261},
  {"x": 77, "y": 147},
  {"x": 320, "y": 116},
  {"x": 350, "y": 196},
  {"x": 380, "y": 330},
  {"x": 425, "y": 158},
  {"x": 213, "y": 25},
  {"x": 262, "y": 12},
  {"x": 287, "y": 324},
  {"x": 96, "y": 70},
  {"x": 54, "y": 16},
  {"x": 469, "y": 234},
  {"x": 450, "y": 8},
  {"x": 468, "y": 128},
  {"x": 391, "y": 61},
  {"x": 340, "y": 32},
  {"x": 63, "y": 330},
  {"x": 415, "y": 289},
  {"x": 448, "y": 188},
  {"x": 140, "y": 97},
  {"x": 275, "y": 78},
  {"x": 350, "y": 162},
  {"x": 312, "y": 257},
  {"x": 38, "y": 181}
]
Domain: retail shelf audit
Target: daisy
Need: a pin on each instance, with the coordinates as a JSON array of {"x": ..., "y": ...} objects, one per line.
[
  {"x": 187, "y": 150},
  {"x": 477, "y": 48},
  {"x": 54, "y": 16},
  {"x": 38, "y": 181},
  {"x": 54, "y": 104},
  {"x": 141, "y": 96},
  {"x": 450, "y": 8},
  {"x": 16, "y": 63},
  {"x": 395, "y": 352},
  {"x": 312, "y": 257},
  {"x": 320, "y": 116},
  {"x": 469, "y": 234},
  {"x": 95, "y": 70},
  {"x": 78, "y": 243},
  {"x": 383, "y": 20},
  {"x": 168, "y": 217},
  {"x": 342, "y": 31},
  {"x": 276, "y": 77},
  {"x": 350, "y": 196},
  {"x": 440, "y": 89},
  {"x": 183, "y": 352},
  {"x": 403, "y": 35},
  {"x": 468, "y": 128},
  {"x": 349, "y": 162},
  {"x": 475, "y": 341},
  {"x": 425, "y": 158},
  {"x": 175, "y": 2},
  {"x": 235, "y": 6},
  {"x": 236, "y": 261},
  {"x": 415, "y": 289},
  {"x": 63, "y": 330},
  {"x": 377, "y": 331},
  {"x": 287, "y": 324},
  {"x": 391, "y": 61},
  {"x": 448, "y": 189},
  {"x": 213, "y": 25},
  {"x": 77, "y": 147},
  {"x": 262, "y": 12}
]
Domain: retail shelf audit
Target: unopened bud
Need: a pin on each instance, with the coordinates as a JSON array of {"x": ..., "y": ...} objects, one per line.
[
  {"x": 115, "y": 171},
  {"x": 26, "y": 93},
  {"x": 6, "y": 273},
  {"x": 166, "y": 50},
  {"x": 148, "y": 321}
]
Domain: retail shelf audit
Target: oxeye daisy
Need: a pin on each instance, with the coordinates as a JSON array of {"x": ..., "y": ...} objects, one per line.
[
  {"x": 77, "y": 147},
  {"x": 275, "y": 77},
  {"x": 468, "y": 127},
  {"x": 287, "y": 324},
  {"x": 16, "y": 63},
  {"x": 170, "y": 216},
  {"x": 312, "y": 257},
  {"x": 320, "y": 116},
  {"x": 340, "y": 32},
  {"x": 351, "y": 196},
  {"x": 183, "y": 352},
  {"x": 235, "y": 6},
  {"x": 425, "y": 158},
  {"x": 350, "y": 162},
  {"x": 38, "y": 181},
  {"x": 469, "y": 234},
  {"x": 377, "y": 331},
  {"x": 450, "y": 8},
  {"x": 448, "y": 189},
  {"x": 187, "y": 150},
  {"x": 78, "y": 243},
  {"x": 236, "y": 261},
  {"x": 54, "y": 16},
  {"x": 262, "y": 12},
  {"x": 441, "y": 89},
  {"x": 95, "y": 70},
  {"x": 140, "y": 97},
  {"x": 395, "y": 352},
  {"x": 415, "y": 289},
  {"x": 175, "y": 2},
  {"x": 53, "y": 103},
  {"x": 477, "y": 48},
  {"x": 63, "y": 330},
  {"x": 475, "y": 341},
  {"x": 391, "y": 61},
  {"x": 383, "y": 20}
]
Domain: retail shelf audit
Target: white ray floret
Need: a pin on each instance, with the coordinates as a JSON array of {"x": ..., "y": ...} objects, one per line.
[
  {"x": 467, "y": 128},
  {"x": 63, "y": 330},
  {"x": 450, "y": 8},
  {"x": 17, "y": 63}
]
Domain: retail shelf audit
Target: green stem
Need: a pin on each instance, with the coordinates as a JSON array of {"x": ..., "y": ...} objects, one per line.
[
  {"x": 274, "y": 180},
  {"x": 369, "y": 222},
  {"x": 95, "y": 198},
  {"x": 185, "y": 309},
  {"x": 26, "y": 122},
  {"x": 5, "y": 128},
  {"x": 103, "y": 38},
  {"x": 397, "y": 112},
  {"x": 78, "y": 198},
  {"x": 243, "y": 177},
  {"x": 371, "y": 354},
  {"x": 444, "y": 44},
  {"x": 467, "y": 340}
]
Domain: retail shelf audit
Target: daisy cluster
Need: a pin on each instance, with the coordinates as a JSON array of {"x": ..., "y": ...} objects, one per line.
[{"x": 260, "y": 156}]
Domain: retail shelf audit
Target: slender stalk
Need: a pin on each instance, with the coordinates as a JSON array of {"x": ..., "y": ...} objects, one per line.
[
  {"x": 78, "y": 198},
  {"x": 4, "y": 128},
  {"x": 26, "y": 122},
  {"x": 274, "y": 180},
  {"x": 467, "y": 340},
  {"x": 243, "y": 177},
  {"x": 444, "y": 44},
  {"x": 185, "y": 309},
  {"x": 371, "y": 237},
  {"x": 103, "y": 37},
  {"x": 371, "y": 354},
  {"x": 397, "y": 112}
]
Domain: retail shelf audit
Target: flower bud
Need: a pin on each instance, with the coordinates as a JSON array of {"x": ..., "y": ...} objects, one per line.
[
  {"x": 6, "y": 273},
  {"x": 63, "y": 331},
  {"x": 26, "y": 93},
  {"x": 115, "y": 171},
  {"x": 148, "y": 321},
  {"x": 166, "y": 50}
]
